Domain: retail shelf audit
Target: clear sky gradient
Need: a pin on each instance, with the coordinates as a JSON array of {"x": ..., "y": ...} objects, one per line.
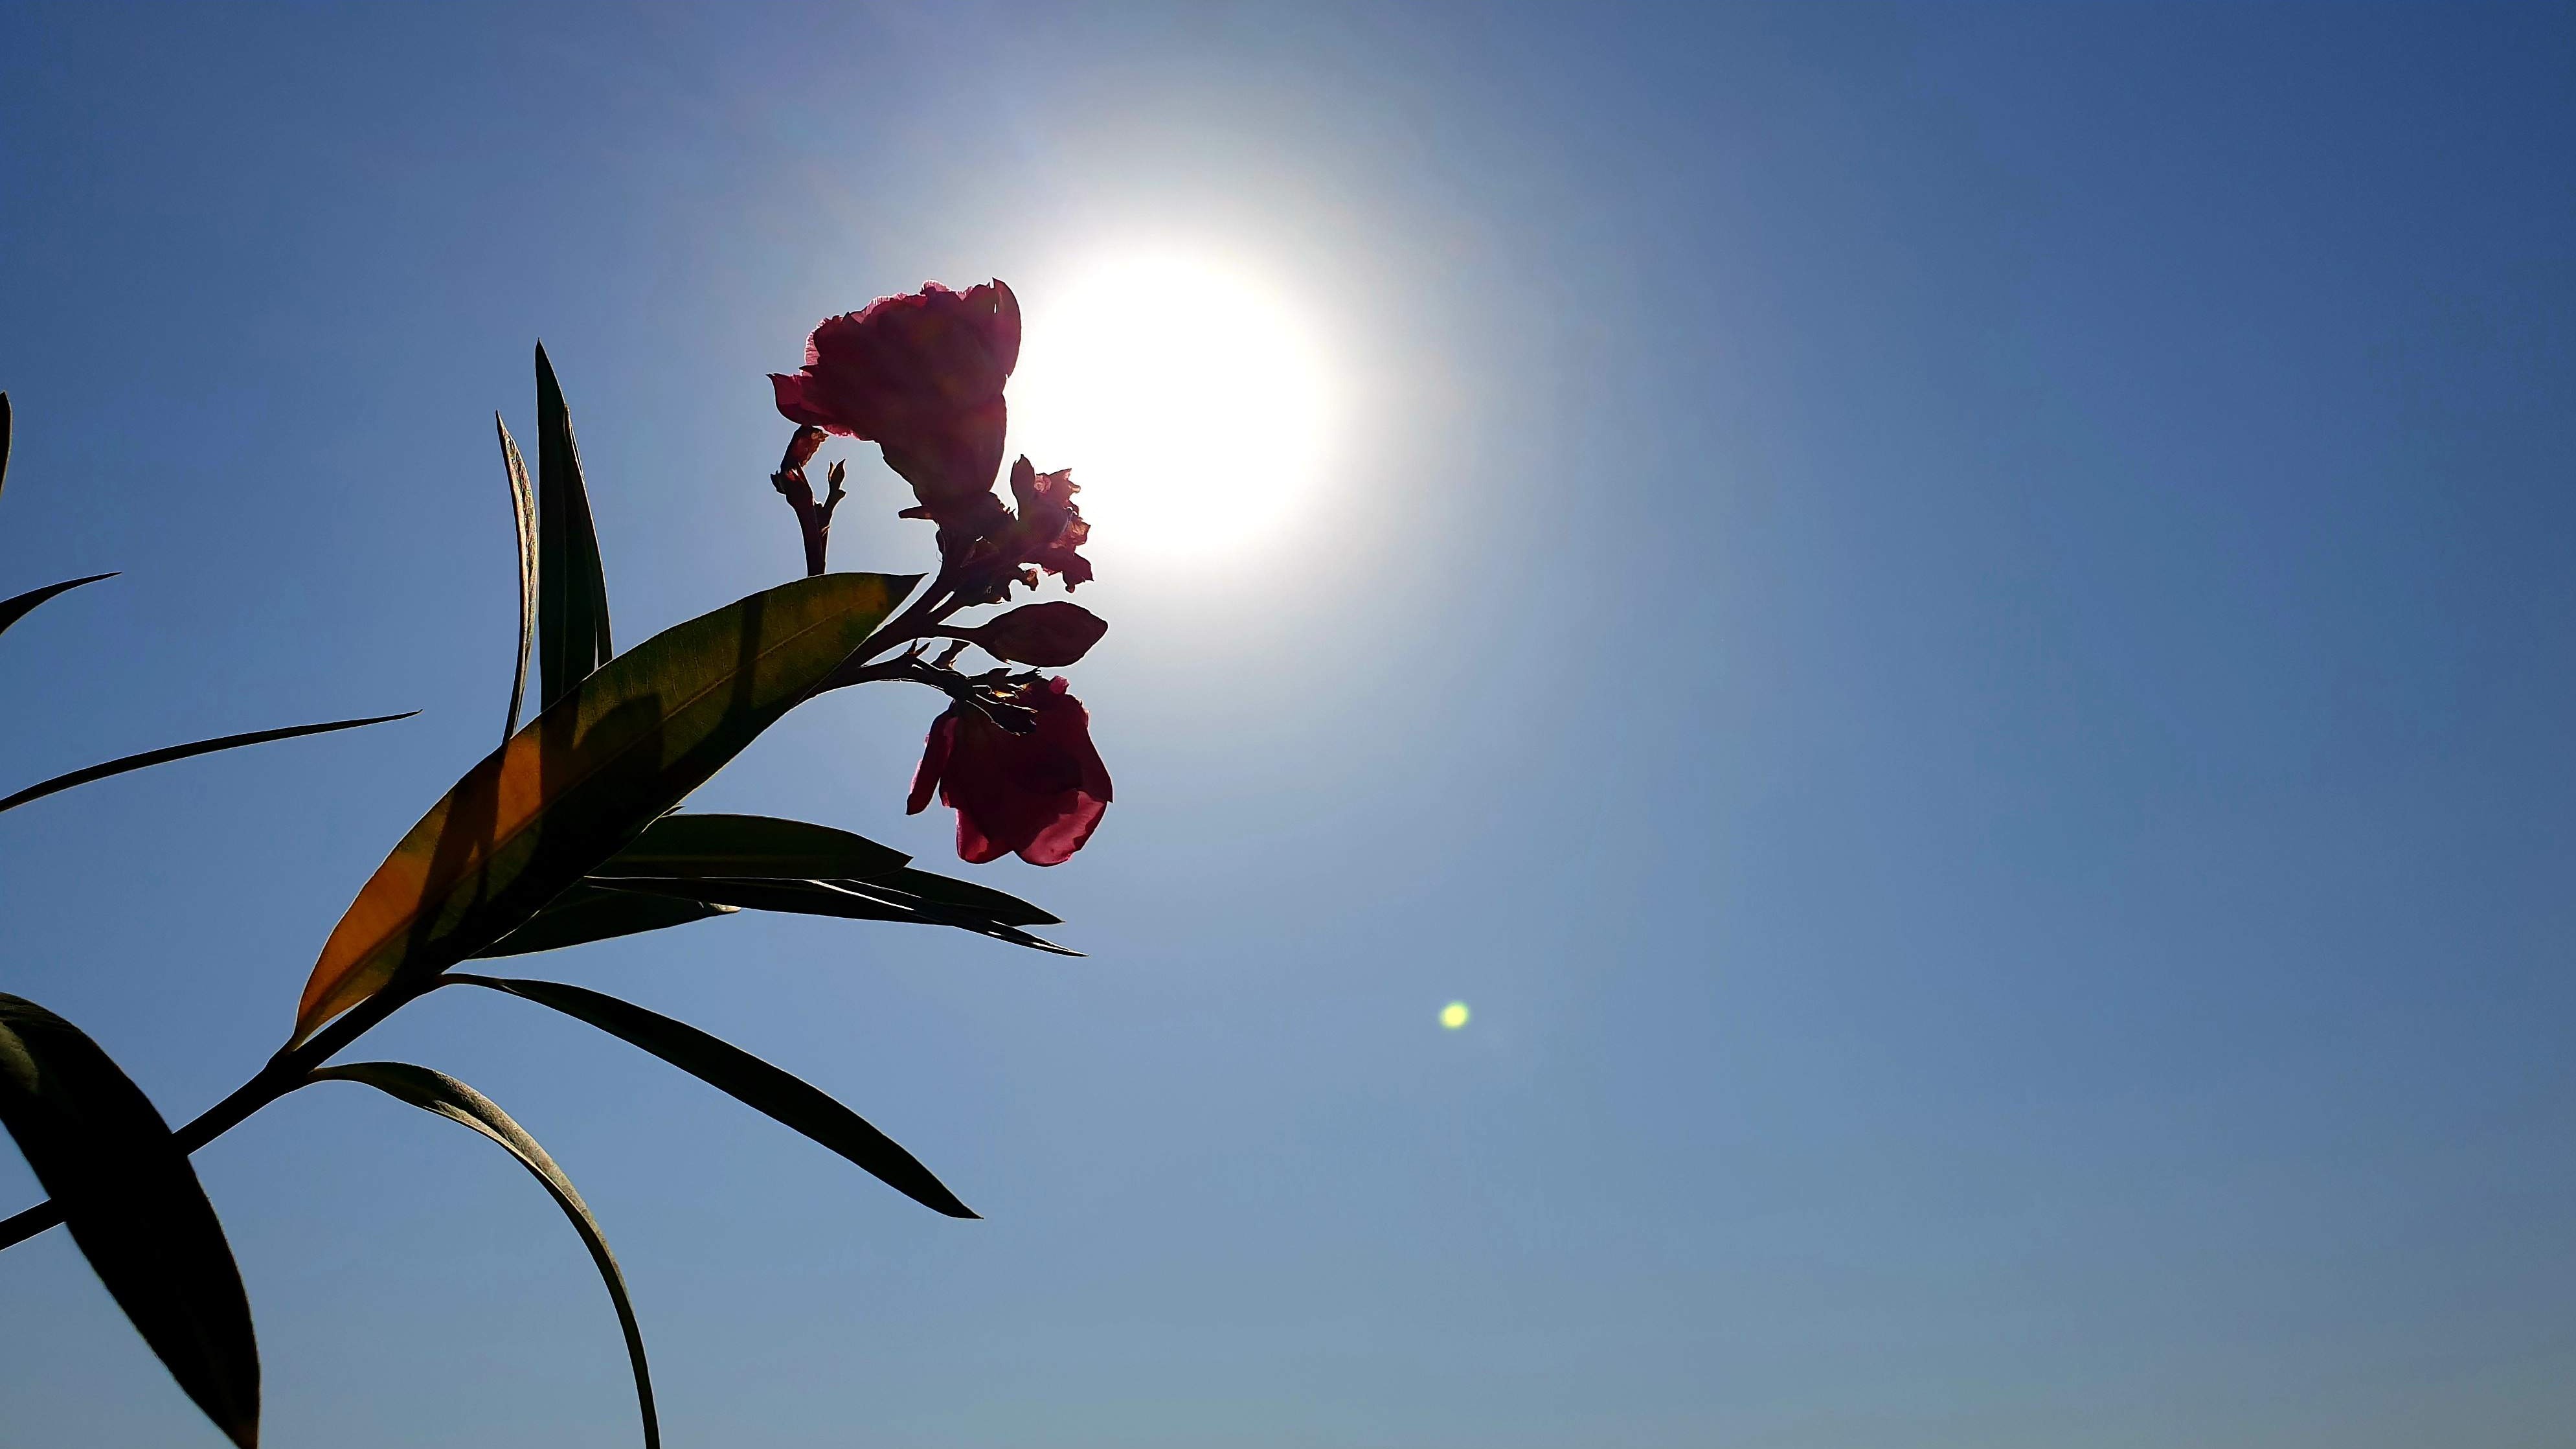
[{"x": 1953, "y": 623}]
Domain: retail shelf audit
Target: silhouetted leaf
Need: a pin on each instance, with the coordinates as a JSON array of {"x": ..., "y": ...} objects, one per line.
[
  {"x": 134, "y": 1206},
  {"x": 748, "y": 1079},
  {"x": 856, "y": 900},
  {"x": 25, "y": 1223},
  {"x": 168, "y": 753},
  {"x": 585, "y": 777},
  {"x": 449, "y": 1098},
  {"x": 4, "y": 438},
  {"x": 1008, "y": 909},
  {"x": 587, "y": 913},
  {"x": 523, "y": 515},
  {"x": 572, "y": 593},
  {"x": 12, "y": 610},
  {"x": 749, "y": 845}
]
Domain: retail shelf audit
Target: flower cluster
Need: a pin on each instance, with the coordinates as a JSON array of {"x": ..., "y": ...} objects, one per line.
[{"x": 921, "y": 375}]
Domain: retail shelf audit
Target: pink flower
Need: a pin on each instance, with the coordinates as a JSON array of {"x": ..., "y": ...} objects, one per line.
[
  {"x": 921, "y": 376},
  {"x": 1049, "y": 527},
  {"x": 1040, "y": 794},
  {"x": 990, "y": 548}
]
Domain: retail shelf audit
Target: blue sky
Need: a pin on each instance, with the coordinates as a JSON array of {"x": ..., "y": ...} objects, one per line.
[{"x": 1952, "y": 622}]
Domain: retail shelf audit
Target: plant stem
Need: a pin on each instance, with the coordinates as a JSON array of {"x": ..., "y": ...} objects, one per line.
[
  {"x": 289, "y": 1069},
  {"x": 936, "y": 603},
  {"x": 284, "y": 1072},
  {"x": 813, "y": 520}
]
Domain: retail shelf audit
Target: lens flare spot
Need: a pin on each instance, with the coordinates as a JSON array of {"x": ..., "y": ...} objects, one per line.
[{"x": 1454, "y": 1015}]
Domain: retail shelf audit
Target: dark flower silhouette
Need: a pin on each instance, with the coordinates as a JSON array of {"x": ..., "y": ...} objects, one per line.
[
  {"x": 989, "y": 547},
  {"x": 1038, "y": 794},
  {"x": 921, "y": 376},
  {"x": 1049, "y": 526}
]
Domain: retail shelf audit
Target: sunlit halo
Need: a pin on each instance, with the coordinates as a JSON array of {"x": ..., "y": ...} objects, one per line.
[
  {"x": 1190, "y": 399},
  {"x": 1454, "y": 1015}
]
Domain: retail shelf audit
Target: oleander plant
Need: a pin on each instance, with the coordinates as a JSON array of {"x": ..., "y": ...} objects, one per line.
[{"x": 573, "y": 831}]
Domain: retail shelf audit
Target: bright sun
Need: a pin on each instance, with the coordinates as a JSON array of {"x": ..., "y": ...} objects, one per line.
[{"x": 1190, "y": 399}]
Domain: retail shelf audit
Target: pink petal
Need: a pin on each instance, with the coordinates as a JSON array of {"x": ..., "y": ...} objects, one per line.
[{"x": 934, "y": 763}]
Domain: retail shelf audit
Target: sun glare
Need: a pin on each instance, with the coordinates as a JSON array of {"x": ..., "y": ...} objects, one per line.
[{"x": 1189, "y": 397}]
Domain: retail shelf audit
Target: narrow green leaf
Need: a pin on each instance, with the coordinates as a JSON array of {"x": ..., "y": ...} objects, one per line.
[
  {"x": 1001, "y": 906},
  {"x": 449, "y": 1098},
  {"x": 587, "y": 913},
  {"x": 751, "y": 1081},
  {"x": 584, "y": 778},
  {"x": 523, "y": 514},
  {"x": 855, "y": 900},
  {"x": 168, "y": 753},
  {"x": 572, "y": 592},
  {"x": 134, "y": 1206},
  {"x": 13, "y": 610},
  {"x": 749, "y": 845},
  {"x": 761, "y": 847},
  {"x": 25, "y": 1223}
]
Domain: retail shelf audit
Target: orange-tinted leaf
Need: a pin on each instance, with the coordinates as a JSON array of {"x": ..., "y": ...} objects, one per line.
[{"x": 585, "y": 777}]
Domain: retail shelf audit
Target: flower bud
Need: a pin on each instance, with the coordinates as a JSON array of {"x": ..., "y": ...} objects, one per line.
[
  {"x": 801, "y": 448},
  {"x": 1050, "y": 635}
]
